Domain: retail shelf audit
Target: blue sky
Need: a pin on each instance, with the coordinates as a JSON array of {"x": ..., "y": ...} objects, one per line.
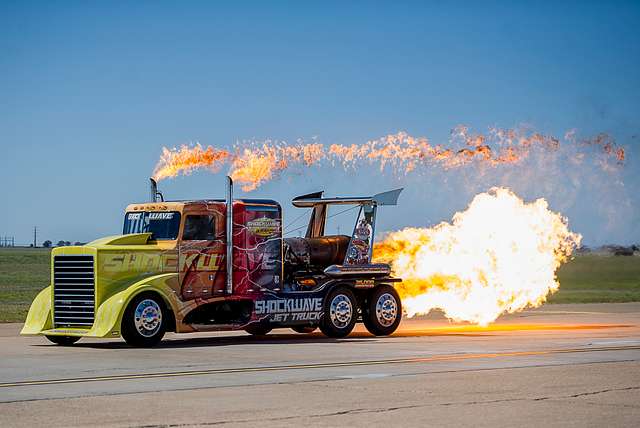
[{"x": 91, "y": 91}]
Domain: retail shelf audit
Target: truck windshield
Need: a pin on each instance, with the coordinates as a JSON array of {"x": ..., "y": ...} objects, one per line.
[{"x": 162, "y": 225}]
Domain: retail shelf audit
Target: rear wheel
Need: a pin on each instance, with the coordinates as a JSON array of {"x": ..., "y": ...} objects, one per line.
[
  {"x": 258, "y": 329},
  {"x": 340, "y": 312},
  {"x": 63, "y": 340},
  {"x": 143, "y": 323},
  {"x": 303, "y": 329},
  {"x": 384, "y": 311}
]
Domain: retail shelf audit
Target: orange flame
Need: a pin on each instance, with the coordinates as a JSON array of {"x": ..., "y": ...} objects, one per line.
[
  {"x": 498, "y": 256},
  {"x": 253, "y": 164},
  {"x": 187, "y": 159}
]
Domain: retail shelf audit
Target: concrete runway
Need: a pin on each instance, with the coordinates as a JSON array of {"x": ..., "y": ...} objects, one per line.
[{"x": 560, "y": 365}]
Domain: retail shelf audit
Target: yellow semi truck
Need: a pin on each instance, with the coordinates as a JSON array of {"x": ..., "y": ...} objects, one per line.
[{"x": 219, "y": 264}]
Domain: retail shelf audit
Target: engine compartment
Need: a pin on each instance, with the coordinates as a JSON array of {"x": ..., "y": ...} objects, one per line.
[{"x": 314, "y": 254}]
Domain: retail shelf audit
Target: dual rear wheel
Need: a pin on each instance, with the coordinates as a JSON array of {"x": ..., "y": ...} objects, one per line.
[
  {"x": 340, "y": 312},
  {"x": 381, "y": 311}
]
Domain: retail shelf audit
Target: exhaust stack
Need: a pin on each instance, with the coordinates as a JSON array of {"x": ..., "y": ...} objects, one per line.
[
  {"x": 154, "y": 191},
  {"x": 229, "y": 233}
]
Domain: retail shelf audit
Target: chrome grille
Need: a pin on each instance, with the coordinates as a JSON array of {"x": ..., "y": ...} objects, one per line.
[{"x": 73, "y": 291}]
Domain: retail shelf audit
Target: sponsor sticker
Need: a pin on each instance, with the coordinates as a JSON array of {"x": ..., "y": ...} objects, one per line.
[
  {"x": 264, "y": 226},
  {"x": 160, "y": 216},
  {"x": 365, "y": 283}
]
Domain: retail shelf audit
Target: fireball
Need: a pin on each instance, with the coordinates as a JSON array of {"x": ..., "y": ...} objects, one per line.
[{"x": 498, "y": 256}]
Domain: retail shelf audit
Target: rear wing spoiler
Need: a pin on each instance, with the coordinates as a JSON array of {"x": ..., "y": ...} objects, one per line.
[{"x": 312, "y": 199}]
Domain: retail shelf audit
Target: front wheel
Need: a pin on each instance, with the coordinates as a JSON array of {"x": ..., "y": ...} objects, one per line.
[
  {"x": 340, "y": 312},
  {"x": 143, "y": 323},
  {"x": 383, "y": 312},
  {"x": 63, "y": 340}
]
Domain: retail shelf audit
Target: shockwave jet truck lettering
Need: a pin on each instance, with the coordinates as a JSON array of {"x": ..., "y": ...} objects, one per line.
[{"x": 205, "y": 265}]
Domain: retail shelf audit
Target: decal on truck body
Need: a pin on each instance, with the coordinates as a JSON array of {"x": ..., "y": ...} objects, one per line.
[{"x": 294, "y": 309}]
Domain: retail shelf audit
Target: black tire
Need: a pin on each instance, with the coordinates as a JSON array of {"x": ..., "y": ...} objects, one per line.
[
  {"x": 63, "y": 340},
  {"x": 377, "y": 319},
  {"x": 304, "y": 329},
  {"x": 138, "y": 332},
  {"x": 336, "y": 323},
  {"x": 257, "y": 329}
]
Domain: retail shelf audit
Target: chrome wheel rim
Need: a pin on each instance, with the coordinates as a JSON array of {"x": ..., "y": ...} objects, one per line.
[
  {"x": 340, "y": 311},
  {"x": 147, "y": 317},
  {"x": 386, "y": 309}
]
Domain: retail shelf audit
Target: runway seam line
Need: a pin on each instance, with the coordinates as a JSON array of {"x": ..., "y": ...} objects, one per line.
[{"x": 311, "y": 366}]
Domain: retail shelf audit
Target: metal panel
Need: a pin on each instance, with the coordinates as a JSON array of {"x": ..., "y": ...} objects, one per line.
[
  {"x": 312, "y": 199},
  {"x": 229, "y": 236}
]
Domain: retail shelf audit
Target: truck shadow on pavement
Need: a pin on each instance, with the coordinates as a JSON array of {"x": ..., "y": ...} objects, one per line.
[
  {"x": 184, "y": 341},
  {"x": 187, "y": 341}
]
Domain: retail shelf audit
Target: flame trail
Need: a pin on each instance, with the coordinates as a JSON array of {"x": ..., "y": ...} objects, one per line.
[
  {"x": 498, "y": 256},
  {"x": 187, "y": 159},
  {"x": 252, "y": 164}
]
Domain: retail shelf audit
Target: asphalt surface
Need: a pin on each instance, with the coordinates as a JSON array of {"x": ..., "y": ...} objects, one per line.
[{"x": 560, "y": 365}]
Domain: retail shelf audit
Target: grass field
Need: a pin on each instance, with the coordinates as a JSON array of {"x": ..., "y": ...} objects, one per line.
[
  {"x": 586, "y": 279},
  {"x": 599, "y": 278},
  {"x": 23, "y": 272}
]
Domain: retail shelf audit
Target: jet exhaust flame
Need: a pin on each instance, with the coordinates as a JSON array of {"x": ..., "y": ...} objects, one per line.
[
  {"x": 252, "y": 164},
  {"x": 498, "y": 256}
]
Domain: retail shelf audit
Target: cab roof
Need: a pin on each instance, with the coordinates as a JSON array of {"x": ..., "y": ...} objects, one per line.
[{"x": 179, "y": 204}]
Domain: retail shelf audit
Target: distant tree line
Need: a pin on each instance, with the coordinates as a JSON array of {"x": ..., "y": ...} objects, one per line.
[{"x": 616, "y": 250}]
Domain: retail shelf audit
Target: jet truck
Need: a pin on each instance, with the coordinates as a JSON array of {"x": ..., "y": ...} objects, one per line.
[{"x": 219, "y": 264}]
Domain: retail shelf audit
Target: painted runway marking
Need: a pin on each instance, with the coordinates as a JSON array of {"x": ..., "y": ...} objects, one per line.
[{"x": 434, "y": 358}]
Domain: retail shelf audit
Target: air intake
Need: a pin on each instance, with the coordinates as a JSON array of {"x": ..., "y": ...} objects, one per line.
[{"x": 73, "y": 291}]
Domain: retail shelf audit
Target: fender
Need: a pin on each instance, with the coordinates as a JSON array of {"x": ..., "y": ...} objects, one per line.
[
  {"x": 39, "y": 316},
  {"x": 109, "y": 313}
]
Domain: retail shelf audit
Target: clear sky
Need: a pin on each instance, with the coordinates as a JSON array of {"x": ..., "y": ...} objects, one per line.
[{"x": 91, "y": 91}]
